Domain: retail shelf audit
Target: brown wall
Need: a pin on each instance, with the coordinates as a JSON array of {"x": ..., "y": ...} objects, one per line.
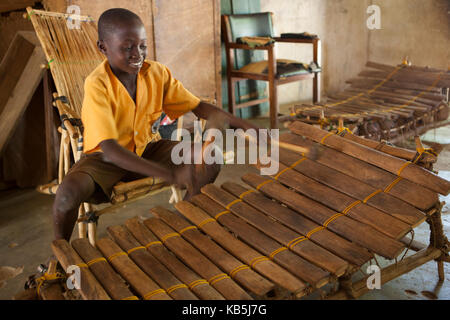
[
  {"x": 143, "y": 8},
  {"x": 340, "y": 24},
  {"x": 419, "y": 29},
  {"x": 184, "y": 35}
]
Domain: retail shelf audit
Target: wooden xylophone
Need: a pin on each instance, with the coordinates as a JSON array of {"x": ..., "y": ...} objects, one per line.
[
  {"x": 317, "y": 221},
  {"x": 384, "y": 102}
]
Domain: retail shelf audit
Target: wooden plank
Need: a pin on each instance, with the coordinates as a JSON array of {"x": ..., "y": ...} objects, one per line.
[
  {"x": 150, "y": 265},
  {"x": 340, "y": 202},
  {"x": 405, "y": 190},
  {"x": 348, "y": 250},
  {"x": 394, "y": 165},
  {"x": 90, "y": 288},
  {"x": 306, "y": 248},
  {"x": 24, "y": 87},
  {"x": 292, "y": 262},
  {"x": 391, "y": 272},
  {"x": 138, "y": 280},
  {"x": 114, "y": 285},
  {"x": 354, "y": 188},
  {"x": 196, "y": 260},
  {"x": 201, "y": 288},
  {"x": 245, "y": 253},
  {"x": 351, "y": 229},
  {"x": 245, "y": 276}
]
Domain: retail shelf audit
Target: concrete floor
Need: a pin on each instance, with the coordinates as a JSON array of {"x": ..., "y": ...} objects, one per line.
[{"x": 26, "y": 232}]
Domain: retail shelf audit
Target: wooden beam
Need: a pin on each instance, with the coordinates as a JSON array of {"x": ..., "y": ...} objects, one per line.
[
  {"x": 20, "y": 94},
  {"x": 391, "y": 272}
]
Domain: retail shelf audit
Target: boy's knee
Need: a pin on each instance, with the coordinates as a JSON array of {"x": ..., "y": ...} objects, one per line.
[
  {"x": 66, "y": 199},
  {"x": 72, "y": 192}
]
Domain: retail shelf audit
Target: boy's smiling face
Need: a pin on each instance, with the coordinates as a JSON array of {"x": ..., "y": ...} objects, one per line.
[{"x": 125, "y": 47}]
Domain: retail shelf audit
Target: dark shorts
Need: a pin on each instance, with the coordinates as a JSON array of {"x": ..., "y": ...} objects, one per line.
[{"x": 106, "y": 175}]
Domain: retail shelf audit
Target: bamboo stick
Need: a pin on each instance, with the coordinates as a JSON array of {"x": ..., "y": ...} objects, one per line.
[
  {"x": 196, "y": 260},
  {"x": 122, "y": 197},
  {"x": 110, "y": 280},
  {"x": 292, "y": 262},
  {"x": 150, "y": 265},
  {"x": 90, "y": 288},
  {"x": 81, "y": 225},
  {"x": 347, "y": 250},
  {"x": 306, "y": 248},
  {"x": 350, "y": 229},
  {"x": 354, "y": 188},
  {"x": 248, "y": 255},
  {"x": 394, "y": 165},
  {"x": 403, "y": 189},
  {"x": 49, "y": 188},
  {"x": 246, "y": 277},
  {"x": 201, "y": 288},
  {"x": 125, "y": 187},
  {"x": 138, "y": 280}
]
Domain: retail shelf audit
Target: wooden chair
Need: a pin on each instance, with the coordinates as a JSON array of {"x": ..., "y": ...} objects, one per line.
[
  {"x": 261, "y": 25},
  {"x": 72, "y": 54}
]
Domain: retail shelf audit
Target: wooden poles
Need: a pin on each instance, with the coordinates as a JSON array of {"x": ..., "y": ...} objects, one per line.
[
  {"x": 378, "y": 178},
  {"x": 249, "y": 256},
  {"x": 90, "y": 288},
  {"x": 334, "y": 221},
  {"x": 199, "y": 286},
  {"x": 246, "y": 277},
  {"x": 394, "y": 165}
]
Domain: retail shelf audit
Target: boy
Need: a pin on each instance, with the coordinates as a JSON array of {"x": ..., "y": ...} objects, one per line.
[{"x": 123, "y": 97}]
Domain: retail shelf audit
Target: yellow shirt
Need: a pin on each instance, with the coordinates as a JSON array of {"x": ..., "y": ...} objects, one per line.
[{"x": 109, "y": 112}]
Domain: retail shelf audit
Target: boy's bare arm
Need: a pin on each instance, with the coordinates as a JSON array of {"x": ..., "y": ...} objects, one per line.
[
  {"x": 125, "y": 159},
  {"x": 208, "y": 111}
]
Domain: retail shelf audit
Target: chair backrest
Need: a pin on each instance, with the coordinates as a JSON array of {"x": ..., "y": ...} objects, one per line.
[
  {"x": 72, "y": 53},
  {"x": 250, "y": 25}
]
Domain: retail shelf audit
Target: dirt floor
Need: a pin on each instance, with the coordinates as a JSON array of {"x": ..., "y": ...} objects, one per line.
[{"x": 26, "y": 233}]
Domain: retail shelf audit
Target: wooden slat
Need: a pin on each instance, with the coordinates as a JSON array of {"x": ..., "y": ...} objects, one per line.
[
  {"x": 347, "y": 250},
  {"x": 354, "y": 188},
  {"x": 138, "y": 280},
  {"x": 341, "y": 202},
  {"x": 348, "y": 228},
  {"x": 396, "y": 166},
  {"x": 245, "y": 277},
  {"x": 306, "y": 248},
  {"x": 90, "y": 288},
  {"x": 110, "y": 280},
  {"x": 405, "y": 190},
  {"x": 292, "y": 262},
  {"x": 16, "y": 90},
  {"x": 196, "y": 260},
  {"x": 150, "y": 265},
  {"x": 248, "y": 255},
  {"x": 203, "y": 290}
]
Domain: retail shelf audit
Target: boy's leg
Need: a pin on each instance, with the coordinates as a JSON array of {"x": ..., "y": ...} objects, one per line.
[
  {"x": 75, "y": 189},
  {"x": 89, "y": 180}
]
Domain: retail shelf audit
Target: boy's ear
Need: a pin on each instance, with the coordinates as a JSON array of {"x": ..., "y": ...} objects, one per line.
[{"x": 101, "y": 46}]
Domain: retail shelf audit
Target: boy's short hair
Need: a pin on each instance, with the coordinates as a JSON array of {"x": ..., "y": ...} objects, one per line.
[{"x": 111, "y": 18}]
